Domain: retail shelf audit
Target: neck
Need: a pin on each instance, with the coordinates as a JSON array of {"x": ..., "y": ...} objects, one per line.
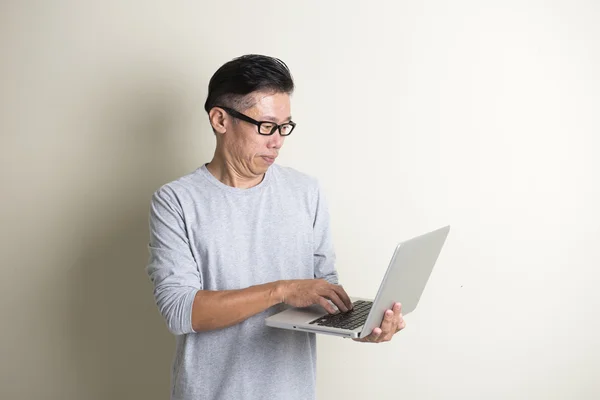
[{"x": 226, "y": 171}]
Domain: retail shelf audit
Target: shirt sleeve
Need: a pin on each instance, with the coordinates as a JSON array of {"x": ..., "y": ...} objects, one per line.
[
  {"x": 324, "y": 253},
  {"x": 172, "y": 268}
]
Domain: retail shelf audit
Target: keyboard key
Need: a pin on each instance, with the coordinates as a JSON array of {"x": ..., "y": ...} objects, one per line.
[{"x": 349, "y": 320}]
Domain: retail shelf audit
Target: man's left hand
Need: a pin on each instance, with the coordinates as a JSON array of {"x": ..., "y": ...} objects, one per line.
[{"x": 392, "y": 323}]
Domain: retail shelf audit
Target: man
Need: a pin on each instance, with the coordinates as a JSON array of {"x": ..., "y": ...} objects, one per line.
[{"x": 237, "y": 240}]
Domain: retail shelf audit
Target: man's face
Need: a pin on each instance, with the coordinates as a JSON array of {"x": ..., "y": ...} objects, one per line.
[{"x": 252, "y": 153}]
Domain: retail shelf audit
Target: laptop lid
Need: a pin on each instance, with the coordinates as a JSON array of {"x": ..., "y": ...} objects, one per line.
[{"x": 406, "y": 276}]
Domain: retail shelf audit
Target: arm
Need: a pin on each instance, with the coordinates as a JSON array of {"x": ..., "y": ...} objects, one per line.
[
  {"x": 220, "y": 309},
  {"x": 223, "y": 308},
  {"x": 171, "y": 267}
]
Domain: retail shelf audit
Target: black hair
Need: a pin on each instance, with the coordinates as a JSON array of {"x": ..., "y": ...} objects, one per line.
[{"x": 243, "y": 75}]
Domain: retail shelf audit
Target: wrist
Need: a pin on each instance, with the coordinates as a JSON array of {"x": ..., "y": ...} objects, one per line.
[{"x": 278, "y": 293}]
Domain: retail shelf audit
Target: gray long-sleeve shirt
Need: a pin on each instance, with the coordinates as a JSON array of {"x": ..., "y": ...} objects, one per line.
[{"x": 205, "y": 235}]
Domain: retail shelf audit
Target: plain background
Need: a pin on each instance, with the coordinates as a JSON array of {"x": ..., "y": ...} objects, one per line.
[{"x": 478, "y": 114}]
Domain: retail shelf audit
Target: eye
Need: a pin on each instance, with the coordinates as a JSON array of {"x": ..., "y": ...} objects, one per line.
[
  {"x": 266, "y": 127},
  {"x": 286, "y": 128}
]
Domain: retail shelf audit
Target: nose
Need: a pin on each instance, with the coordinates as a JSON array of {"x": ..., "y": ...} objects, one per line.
[{"x": 275, "y": 141}]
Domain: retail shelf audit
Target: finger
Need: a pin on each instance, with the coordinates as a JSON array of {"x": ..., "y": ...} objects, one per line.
[
  {"x": 397, "y": 309},
  {"x": 344, "y": 296},
  {"x": 332, "y": 295},
  {"x": 326, "y": 305},
  {"x": 374, "y": 336},
  {"x": 389, "y": 335},
  {"x": 400, "y": 317},
  {"x": 388, "y": 325}
]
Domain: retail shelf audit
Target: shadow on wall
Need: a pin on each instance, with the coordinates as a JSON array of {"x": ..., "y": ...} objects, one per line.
[{"x": 121, "y": 348}]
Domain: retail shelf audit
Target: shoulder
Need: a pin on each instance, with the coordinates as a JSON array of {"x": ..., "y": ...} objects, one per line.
[{"x": 180, "y": 190}]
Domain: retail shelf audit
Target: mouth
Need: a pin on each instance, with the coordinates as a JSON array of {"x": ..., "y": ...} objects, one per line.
[{"x": 268, "y": 159}]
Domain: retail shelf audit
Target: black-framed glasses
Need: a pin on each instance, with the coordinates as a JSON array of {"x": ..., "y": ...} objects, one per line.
[{"x": 266, "y": 128}]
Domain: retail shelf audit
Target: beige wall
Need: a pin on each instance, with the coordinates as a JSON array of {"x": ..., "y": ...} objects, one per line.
[{"x": 412, "y": 114}]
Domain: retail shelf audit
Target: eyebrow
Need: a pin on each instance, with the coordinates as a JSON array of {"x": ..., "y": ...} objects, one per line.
[{"x": 274, "y": 118}]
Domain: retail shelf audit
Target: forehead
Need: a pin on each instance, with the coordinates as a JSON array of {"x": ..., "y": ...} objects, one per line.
[{"x": 274, "y": 104}]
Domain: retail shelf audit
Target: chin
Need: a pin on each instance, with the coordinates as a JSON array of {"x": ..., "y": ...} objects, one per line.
[
  {"x": 262, "y": 167},
  {"x": 259, "y": 169}
]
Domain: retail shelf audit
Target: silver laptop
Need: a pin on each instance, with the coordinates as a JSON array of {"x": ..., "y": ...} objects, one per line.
[{"x": 404, "y": 282}]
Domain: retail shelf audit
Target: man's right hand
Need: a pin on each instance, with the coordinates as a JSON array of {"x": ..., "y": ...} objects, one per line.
[{"x": 306, "y": 292}]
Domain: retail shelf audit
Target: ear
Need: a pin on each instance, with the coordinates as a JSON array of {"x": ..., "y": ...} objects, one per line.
[{"x": 216, "y": 117}]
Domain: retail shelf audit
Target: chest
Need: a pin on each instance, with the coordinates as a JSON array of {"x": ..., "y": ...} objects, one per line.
[{"x": 243, "y": 242}]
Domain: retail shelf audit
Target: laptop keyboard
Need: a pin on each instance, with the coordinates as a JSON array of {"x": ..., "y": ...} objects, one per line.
[{"x": 349, "y": 320}]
